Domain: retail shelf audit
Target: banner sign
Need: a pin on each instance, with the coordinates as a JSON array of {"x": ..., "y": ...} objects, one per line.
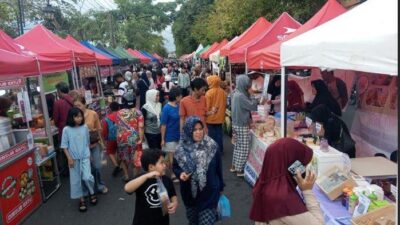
[
  {"x": 12, "y": 83},
  {"x": 51, "y": 80},
  {"x": 375, "y": 119},
  {"x": 255, "y": 160},
  {"x": 87, "y": 71}
]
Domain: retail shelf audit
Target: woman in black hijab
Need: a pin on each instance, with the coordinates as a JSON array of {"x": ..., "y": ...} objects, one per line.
[
  {"x": 143, "y": 86},
  {"x": 274, "y": 89},
  {"x": 333, "y": 126},
  {"x": 323, "y": 96}
]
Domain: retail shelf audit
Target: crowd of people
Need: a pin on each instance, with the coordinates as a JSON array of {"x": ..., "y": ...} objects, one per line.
[{"x": 166, "y": 125}]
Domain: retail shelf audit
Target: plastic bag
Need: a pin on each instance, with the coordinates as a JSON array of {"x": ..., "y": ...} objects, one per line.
[{"x": 224, "y": 207}]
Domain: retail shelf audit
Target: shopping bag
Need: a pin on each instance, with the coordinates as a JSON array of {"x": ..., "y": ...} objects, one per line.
[{"x": 224, "y": 207}]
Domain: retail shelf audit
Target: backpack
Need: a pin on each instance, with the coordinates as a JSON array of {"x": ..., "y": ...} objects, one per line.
[
  {"x": 112, "y": 130},
  {"x": 129, "y": 95}
]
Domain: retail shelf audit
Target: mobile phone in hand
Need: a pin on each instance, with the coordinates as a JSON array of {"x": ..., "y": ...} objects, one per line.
[{"x": 297, "y": 165}]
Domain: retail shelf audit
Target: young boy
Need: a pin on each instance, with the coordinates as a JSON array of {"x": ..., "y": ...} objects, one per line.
[{"x": 148, "y": 208}]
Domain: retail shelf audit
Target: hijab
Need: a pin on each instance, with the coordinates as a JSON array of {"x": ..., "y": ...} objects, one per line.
[
  {"x": 275, "y": 194},
  {"x": 195, "y": 157},
  {"x": 243, "y": 83},
  {"x": 272, "y": 88},
  {"x": 152, "y": 105},
  {"x": 323, "y": 96}
]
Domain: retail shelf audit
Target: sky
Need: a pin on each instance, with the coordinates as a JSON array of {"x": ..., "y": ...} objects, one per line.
[{"x": 109, "y": 5}]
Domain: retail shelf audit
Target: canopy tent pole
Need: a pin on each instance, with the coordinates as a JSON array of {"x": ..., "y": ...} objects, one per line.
[
  {"x": 283, "y": 103},
  {"x": 98, "y": 80},
  {"x": 44, "y": 106}
]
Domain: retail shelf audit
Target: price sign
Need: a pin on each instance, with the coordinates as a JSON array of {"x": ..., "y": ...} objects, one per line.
[{"x": 308, "y": 121}]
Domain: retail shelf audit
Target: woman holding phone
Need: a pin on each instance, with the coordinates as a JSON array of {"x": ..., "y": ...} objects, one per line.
[
  {"x": 197, "y": 163},
  {"x": 275, "y": 198}
]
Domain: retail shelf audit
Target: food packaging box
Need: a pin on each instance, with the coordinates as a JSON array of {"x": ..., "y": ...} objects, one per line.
[
  {"x": 382, "y": 216},
  {"x": 325, "y": 161},
  {"x": 333, "y": 182}
]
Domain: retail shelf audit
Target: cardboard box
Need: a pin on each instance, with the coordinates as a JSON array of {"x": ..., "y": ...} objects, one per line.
[
  {"x": 333, "y": 182},
  {"x": 382, "y": 216}
]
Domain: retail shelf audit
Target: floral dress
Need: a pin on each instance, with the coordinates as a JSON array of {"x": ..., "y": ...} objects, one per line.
[{"x": 128, "y": 122}]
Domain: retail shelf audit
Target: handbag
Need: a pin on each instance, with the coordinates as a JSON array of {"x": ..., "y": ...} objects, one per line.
[
  {"x": 346, "y": 144},
  {"x": 224, "y": 207},
  {"x": 94, "y": 137}
]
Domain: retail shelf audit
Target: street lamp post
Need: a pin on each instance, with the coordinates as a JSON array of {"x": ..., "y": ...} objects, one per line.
[{"x": 49, "y": 14}]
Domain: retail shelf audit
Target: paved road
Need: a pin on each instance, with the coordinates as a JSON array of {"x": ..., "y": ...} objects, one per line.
[{"x": 116, "y": 207}]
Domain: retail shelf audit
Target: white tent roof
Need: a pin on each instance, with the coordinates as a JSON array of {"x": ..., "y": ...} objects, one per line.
[
  {"x": 362, "y": 39},
  {"x": 214, "y": 57},
  {"x": 199, "y": 48}
]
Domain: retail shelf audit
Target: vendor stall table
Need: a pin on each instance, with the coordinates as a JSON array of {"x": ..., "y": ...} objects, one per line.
[
  {"x": 367, "y": 167},
  {"x": 20, "y": 193}
]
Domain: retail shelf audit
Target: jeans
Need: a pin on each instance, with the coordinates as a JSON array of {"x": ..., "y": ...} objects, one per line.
[
  {"x": 96, "y": 153},
  {"x": 216, "y": 133}
]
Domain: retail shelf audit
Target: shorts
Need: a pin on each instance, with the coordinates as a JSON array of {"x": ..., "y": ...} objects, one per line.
[
  {"x": 111, "y": 147},
  {"x": 170, "y": 146}
]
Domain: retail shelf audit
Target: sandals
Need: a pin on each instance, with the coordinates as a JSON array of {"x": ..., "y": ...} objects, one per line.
[
  {"x": 104, "y": 191},
  {"x": 232, "y": 169},
  {"x": 82, "y": 206},
  {"x": 93, "y": 199},
  {"x": 240, "y": 174}
]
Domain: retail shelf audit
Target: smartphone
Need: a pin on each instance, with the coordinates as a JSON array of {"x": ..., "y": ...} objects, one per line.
[{"x": 297, "y": 165}]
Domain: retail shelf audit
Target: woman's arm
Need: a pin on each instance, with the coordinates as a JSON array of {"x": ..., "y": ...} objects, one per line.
[{"x": 163, "y": 128}]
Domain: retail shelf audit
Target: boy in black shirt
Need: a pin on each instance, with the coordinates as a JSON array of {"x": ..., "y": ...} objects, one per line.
[{"x": 148, "y": 208}]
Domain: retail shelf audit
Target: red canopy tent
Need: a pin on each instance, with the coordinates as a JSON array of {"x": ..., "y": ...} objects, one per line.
[
  {"x": 155, "y": 55},
  {"x": 248, "y": 35},
  {"x": 45, "y": 43},
  {"x": 221, "y": 45},
  {"x": 47, "y": 65},
  {"x": 13, "y": 64},
  {"x": 269, "y": 57},
  {"x": 137, "y": 54},
  {"x": 205, "y": 54},
  {"x": 282, "y": 27},
  {"x": 101, "y": 59}
]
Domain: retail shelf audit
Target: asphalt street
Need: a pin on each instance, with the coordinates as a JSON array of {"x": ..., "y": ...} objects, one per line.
[{"x": 117, "y": 207}]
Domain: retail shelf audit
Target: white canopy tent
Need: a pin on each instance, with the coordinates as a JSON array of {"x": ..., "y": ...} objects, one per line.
[{"x": 362, "y": 39}]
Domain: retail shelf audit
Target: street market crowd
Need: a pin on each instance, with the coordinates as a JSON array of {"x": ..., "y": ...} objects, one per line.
[{"x": 165, "y": 125}]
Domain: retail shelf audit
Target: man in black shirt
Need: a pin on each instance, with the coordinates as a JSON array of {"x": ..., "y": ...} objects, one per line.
[{"x": 155, "y": 192}]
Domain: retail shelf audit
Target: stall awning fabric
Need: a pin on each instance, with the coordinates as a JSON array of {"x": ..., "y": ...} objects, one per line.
[
  {"x": 247, "y": 36},
  {"x": 202, "y": 50},
  {"x": 269, "y": 57},
  {"x": 220, "y": 45},
  {"x": 362, "y": 39},
  {"x": 42, "y": 41},
  {"x": 115, "y": 60},
  {"x": 46, "y": 65},
  {"x": 122, "y": 60},
  {"x": 204, "y": 55},
  {"x": 137, "y": 54},
  {"x": 281, "y": 27},
  {"x": 214, "y": 55},
  {"x": 101, "y": 59},
  {"x": 157, "y": 56},
  {"x": 15, "y": 65},
  {"x": 121, "y": 51},
  {"x": 148, "y": 55}
]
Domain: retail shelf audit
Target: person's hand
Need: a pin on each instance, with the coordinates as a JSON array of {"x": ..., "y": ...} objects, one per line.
[
  {"x": 306, "y": 183},
  {"x": 153, "y": 174},
  {"x": 172, "y": 207},
  {"x": 70, "y": 163},
  {"x": 184, "y": 176}
]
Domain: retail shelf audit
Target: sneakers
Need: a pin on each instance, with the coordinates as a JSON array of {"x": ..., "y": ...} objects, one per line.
[{"x": 116, "y": 170}]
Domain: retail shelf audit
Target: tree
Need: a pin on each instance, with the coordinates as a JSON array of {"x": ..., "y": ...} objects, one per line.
[
  {"x": 191, "y": 9},
  {"x": 8, "y": 18}
]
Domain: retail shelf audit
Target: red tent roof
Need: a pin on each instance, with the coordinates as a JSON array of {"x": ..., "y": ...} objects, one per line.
[
  {"x": 248, "y": 35},
  {"x": 101, "y": 59},
  {"x": 221, "y": 45},
  {"x": 269, "y": 57},
  {"x": 47, "y": 65},
  {"x": 282, "y": 26},
  {"x": 155, "y": 55},
  {"x": 137, "y": 54},
  {"x": 46, "y": 43},
  {"x": 205, "y": 54},
  {"x": 13, "y": 64}
]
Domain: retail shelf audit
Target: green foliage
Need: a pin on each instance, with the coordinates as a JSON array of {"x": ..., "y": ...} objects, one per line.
[
  {"x": 185, "y": 41},
  {"x": 229, "y": 18},
  {"x": 8, "y": 19}
]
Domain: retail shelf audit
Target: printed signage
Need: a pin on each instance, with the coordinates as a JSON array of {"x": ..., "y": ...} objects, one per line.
[{"x": 12, "y": 83}]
